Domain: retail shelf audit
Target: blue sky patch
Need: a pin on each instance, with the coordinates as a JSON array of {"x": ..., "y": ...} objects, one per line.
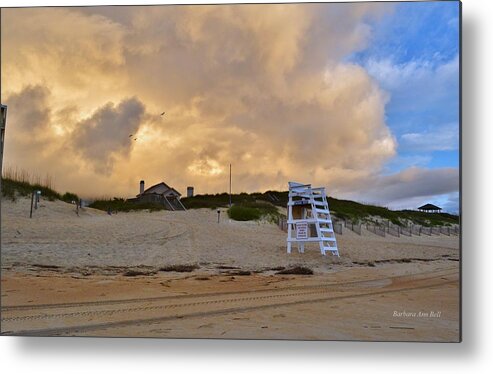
[{"x": 413, "y": 55}]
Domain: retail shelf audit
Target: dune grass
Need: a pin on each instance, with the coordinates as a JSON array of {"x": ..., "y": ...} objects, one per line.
[
  {"x": 18, "y": 182},
  {"x": 353, "y": 211},
  {"x": 214, "y": 201},
  {"x": 253, "y": 210},
  {"x": 117, "y": 204},
  {"x": 342, "y": 209},
  {"x": 246, "y": 206},
  {"x": 242, "y": 213}
]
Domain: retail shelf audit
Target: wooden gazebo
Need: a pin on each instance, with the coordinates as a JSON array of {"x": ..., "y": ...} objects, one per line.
[{"x": 430, "y": 208}]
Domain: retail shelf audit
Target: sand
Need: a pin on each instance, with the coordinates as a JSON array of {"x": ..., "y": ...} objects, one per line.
[{"x": 82, "y": 261}]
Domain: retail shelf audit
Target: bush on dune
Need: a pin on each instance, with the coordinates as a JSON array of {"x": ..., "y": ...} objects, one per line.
[
  {"x": 242, "y": 213},
  {"x": 68, "y": 197},
  {"x": 118, "y": 204}
]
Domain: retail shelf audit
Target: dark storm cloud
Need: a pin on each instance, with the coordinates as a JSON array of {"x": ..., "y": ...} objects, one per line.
[
  {"x": 29, "y": 110},
  {"x": 108, "y": 134},
  {"x": 29, "y": 132}
]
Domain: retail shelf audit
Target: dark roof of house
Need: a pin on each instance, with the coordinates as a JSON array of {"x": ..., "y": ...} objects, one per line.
[
  {"x": 166, "y": 187},
  {"x": 150, "y": 188},
  {"x": 429, "y": 207}
]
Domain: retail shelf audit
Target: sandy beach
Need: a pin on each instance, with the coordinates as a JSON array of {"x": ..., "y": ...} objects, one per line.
[{"x": 96, "y": 274}]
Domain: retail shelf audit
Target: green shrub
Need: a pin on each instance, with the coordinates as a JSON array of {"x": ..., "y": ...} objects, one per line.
[
  {"x": 206, "y": 201},
  {"x": 68, "y": 197},
  {"x": 121, "y": 205},
  {"x": 243, "y": 213},
  {"x": 222, "y": 200}
]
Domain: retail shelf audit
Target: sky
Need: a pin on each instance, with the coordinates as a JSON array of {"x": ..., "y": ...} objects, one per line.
[{"x": 360, "y": 98}]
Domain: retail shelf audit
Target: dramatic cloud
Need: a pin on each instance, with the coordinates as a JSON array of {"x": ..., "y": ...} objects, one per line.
[
  {"x": 76, "y": 57},
  {"x": 109, "y": 133},
  {"x": 29, "y": 128},
  {"x": 266, "y": 88}
]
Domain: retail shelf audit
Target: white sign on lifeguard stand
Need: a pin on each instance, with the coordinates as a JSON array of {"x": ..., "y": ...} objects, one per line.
[{"x": 309, "y": 219}]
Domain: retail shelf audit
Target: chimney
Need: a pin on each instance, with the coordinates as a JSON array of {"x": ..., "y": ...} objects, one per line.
[
  {"x": 141, "y": 187},
  {"x": 190, "y": 191}
]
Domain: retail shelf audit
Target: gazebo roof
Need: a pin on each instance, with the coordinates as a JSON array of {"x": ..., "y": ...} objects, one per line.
[{"x": 429, "y": 207}]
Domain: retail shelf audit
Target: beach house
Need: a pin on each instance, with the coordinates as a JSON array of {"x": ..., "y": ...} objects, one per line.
[{"x": 160, "y": 193}]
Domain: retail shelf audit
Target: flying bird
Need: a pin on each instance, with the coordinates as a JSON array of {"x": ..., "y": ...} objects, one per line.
[
  {"x": 163, "y": 113},
  {"x": 131, "y": 135}
]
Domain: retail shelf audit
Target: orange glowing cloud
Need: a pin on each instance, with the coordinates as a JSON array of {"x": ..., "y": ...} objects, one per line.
[{"x": 264, "y": 87}]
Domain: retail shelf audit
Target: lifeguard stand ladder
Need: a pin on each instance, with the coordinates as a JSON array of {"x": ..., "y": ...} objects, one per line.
[{"x": 309, "y": 219}]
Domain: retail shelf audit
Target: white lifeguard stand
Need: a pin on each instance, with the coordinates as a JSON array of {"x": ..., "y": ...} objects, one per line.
[{"x": 309, "y": 219}]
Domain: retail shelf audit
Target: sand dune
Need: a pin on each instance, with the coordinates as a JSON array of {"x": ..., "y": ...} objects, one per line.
[{"x": 56, "y": 236}]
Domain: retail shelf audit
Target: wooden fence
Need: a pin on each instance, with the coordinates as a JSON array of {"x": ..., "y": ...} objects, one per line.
[
  {"x": 386, "y": 228},
  {"x": 435, "y": 230},
  {"x": 445, "y": 230},
  {"x": 337, "y": 227},
  {"x": 393, "y": 230},
  {"x": 355, "y": 227},
  {"x": 416, "y": 230},
  {"x": 425, "y": 230},
  {"x": 283, "y": 223},
  {"x": 377, "y": 230},
  {"x": 406, "y": 231}
]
